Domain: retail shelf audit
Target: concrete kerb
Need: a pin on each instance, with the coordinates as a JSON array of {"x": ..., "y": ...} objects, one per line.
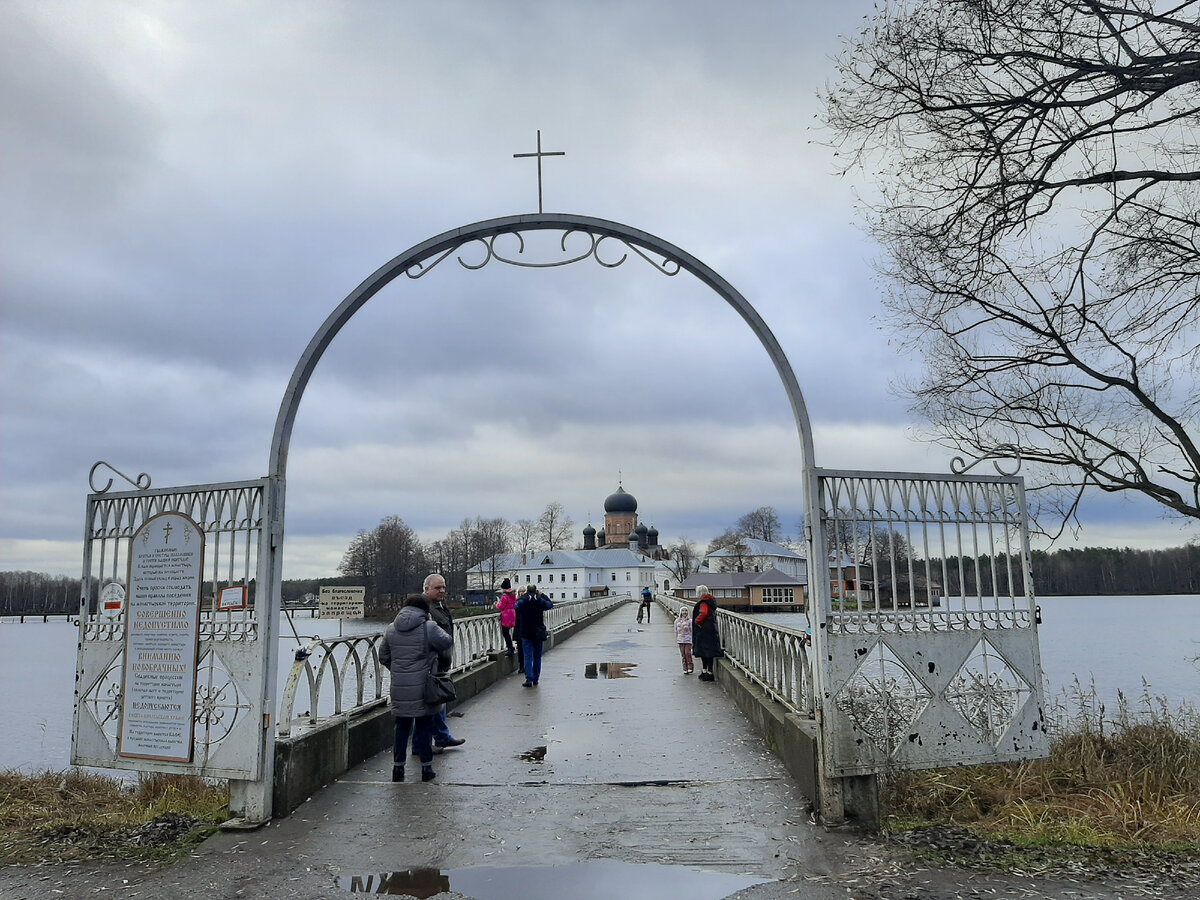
[
  {"x": 794, "y": 740},
  {"x": 306, "y": 762}
]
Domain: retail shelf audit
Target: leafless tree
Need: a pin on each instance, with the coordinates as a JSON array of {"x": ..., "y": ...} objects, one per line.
[
  {"x": 492, "y": 539},
  {"x": 525, "y": 535},
  {"x": 554, "y": 527},
  {"x": 389, "y": 560},
  {"x": 761, "y": 524},
  {"x": 1037, "y": 203},
  {"x": 735, "y": 543},
  {"x": 683, "y": 558}
]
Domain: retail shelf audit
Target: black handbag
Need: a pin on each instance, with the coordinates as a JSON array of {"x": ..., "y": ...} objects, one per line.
[{"x": 439, "y": 688}]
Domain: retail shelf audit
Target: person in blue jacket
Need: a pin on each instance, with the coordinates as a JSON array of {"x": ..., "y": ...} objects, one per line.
[{"x": 532, "y": 624}]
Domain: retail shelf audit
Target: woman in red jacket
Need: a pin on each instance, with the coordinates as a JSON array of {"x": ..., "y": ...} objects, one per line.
[{"x": 706, "y": 640}]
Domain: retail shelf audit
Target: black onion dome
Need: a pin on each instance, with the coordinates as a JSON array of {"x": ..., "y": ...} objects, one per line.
[
  {"x": 620, "y": 502},
  {"x": 589, "y": 530},
  {"x": 653, "y": 531},
  {"x": 641, "y": 529}
]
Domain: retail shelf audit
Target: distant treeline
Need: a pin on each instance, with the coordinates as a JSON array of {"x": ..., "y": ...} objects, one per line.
[{"x": 1092, "y": 570}]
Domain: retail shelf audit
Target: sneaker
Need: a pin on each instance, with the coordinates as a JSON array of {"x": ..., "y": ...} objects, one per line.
[{"x": 453, "y": 742}]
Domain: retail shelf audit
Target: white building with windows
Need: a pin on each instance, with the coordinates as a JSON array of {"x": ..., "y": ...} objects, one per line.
[
  {"x": 757, "y": 556},
  {"x": 569, "y": 574}
]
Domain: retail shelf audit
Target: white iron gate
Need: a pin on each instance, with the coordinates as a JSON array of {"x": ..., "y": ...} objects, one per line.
[
  {"x": 231, "y": 717},
  {"x": 927, "y": 650}
]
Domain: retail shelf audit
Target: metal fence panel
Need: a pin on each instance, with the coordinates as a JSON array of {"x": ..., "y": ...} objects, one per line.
[
  {"x": 929, "y": 644},
  {"x": 228, "y": 713}
]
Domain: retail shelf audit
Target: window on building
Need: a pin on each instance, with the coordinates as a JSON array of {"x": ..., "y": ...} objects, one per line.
[
  {"x": 778, "y": 595},
  {"x": 539, "y": 577},
  {"x": 574, "y": 576},
  {"x": 575, "y": 595},
  {"x": 628, "y": 577},
  {"x": 552, "y": 578},
  {"x": 614, "y": 576}
]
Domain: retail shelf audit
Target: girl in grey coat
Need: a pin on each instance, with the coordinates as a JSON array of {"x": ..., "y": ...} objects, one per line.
[{"x": 410, "y": 649}]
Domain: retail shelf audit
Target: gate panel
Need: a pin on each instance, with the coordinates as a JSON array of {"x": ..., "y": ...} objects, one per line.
[
  {"x": 228, "y": 710},
  {"x": 930, "y": 654}
]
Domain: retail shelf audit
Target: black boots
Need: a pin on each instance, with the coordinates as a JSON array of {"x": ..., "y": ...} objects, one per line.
[
  {"x": 427, "y": 774},
  {"x": 397, "y": 773}
]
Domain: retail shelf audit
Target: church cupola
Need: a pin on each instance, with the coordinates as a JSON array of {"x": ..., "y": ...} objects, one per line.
[{"x": 589, "y": 537}]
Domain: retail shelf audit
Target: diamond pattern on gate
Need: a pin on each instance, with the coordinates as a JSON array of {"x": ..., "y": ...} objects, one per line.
[
  {"x": 883, "y": 698},
  {"x": 987, "y": 691}
]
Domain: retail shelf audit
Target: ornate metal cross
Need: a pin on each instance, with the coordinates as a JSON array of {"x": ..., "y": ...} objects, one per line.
[{"x": 539, "y": 156}]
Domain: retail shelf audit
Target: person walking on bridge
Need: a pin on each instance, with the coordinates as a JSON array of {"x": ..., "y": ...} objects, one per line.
[
  {"x": 410, "y": 650},
  {"x": 435, "y": 592},
  {"x": 531, "y": 611},
  {"x": 706, "y": 639},
  {"x": 644, "y": 607}
]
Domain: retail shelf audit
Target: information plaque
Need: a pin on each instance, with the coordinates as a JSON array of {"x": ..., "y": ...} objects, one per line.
[
  {"x": 162, "y": 630},
  {"x": 341, "y": 602}
]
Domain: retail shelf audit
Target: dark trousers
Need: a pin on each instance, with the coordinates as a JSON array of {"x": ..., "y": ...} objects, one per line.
[
  {"x": 533, "y": 659},
  {"x": 508, "y": 641},
  {"x": 422, "y": 738}
]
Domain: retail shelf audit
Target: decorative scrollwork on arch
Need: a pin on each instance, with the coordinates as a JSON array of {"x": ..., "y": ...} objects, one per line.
[
  {"x": 137, "y": 483},
  {"x": 959, "y": 466},
  {"x": 592, "y": 250}
]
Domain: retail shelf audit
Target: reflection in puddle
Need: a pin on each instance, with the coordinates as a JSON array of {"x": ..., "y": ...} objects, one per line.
[
  {"x": 609, "y": 670},
  {"x": 537, "y": 754},
  {"x": 598, "y": 880},
  {"x": 420, "y": 882}
]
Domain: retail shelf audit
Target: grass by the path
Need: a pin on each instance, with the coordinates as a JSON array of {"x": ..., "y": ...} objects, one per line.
[
  {"x": 1123, "y": 779},
  {"x": 61, "y": 816}
]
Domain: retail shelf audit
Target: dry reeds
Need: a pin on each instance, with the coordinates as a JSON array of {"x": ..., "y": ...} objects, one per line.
[
  {"x": 75, "y": 815},
  {"x": 1124, "y": 780}
]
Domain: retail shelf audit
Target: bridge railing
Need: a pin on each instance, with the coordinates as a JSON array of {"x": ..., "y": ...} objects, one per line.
[
  {"x": 343, "y": 675},
  {"x": 774, "y": 657}
]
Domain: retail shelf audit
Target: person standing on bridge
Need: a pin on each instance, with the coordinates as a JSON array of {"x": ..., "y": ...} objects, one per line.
[
  {"x": 683, "y": 636},
  {"x": 410, "y": 649},
  {"x": 531, "y": 611},
  {"x": 706, "y": 639},
  {"x": 507, "y": 604},
  {"x": 435, "y": 593},
  {"x": 644, "y": 607}
]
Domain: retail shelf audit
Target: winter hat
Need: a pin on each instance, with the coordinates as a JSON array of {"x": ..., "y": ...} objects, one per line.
[{"x": 506, "y": 585}]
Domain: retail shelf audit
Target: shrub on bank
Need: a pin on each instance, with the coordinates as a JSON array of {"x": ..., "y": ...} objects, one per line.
[
  {"x": 58, "y": 816},
  {"x": 1129, "y": 779}
]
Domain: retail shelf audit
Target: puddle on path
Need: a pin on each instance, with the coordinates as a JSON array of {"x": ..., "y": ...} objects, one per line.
[
  {"x": 596, "y": 880},
  {"x": 537, "y": 754},
  {"x": 609, "y": 670}
]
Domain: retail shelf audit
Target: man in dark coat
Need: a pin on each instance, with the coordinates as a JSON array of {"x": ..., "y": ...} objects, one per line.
[
  {"x": 435, "y": 593},
  {"x": 531, "y": 624},
  {"x": 706, "y": 640}
]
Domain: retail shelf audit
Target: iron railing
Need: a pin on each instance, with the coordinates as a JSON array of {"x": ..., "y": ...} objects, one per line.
[
  {"x": 774, "y": 657},
  {"x": 344, "y": 677}
]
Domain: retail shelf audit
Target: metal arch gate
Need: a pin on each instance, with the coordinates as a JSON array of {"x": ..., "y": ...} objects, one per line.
[
  {"x": 929, "y": 651},
  {"x": 842, "y": 690}
]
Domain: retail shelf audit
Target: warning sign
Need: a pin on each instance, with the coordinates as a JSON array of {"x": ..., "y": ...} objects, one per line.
[{"x": 341, "y": 602}]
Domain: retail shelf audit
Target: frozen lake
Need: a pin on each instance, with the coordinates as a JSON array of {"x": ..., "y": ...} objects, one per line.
[{"x": 1113, "y": 642}]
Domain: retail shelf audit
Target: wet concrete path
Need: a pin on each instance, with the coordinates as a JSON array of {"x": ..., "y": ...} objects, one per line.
[{"x": 617, "y": 768}]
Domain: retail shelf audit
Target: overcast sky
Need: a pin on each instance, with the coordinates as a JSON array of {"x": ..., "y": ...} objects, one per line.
[{"x": 188, "y": 189}]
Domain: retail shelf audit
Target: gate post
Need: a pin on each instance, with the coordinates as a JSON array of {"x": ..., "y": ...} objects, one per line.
[{"x": 250, "y": 802}]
